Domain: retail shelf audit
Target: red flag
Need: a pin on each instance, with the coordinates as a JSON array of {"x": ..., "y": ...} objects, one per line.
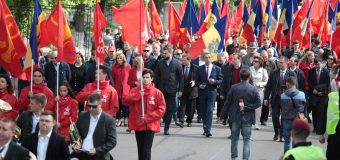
[
  {"x": 207, "y": 6},
  {"x": 99, "y": 24},
  {"x": 225, "y": 11},
  {"x": 177, "y": 35},
  {"x": 12, "y": 46},
  {"x": 60, "y": 35},
  {"x": 301, "y": 21},
  {"x": 237, "y": 19},
  {"x": 134, "y": 27},
  {"x": 182, "y": 7},
  {"x": 156, "y": 22}
]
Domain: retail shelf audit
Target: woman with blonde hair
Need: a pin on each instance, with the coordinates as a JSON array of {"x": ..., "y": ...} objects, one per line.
[{"x": 120, "y": 75}]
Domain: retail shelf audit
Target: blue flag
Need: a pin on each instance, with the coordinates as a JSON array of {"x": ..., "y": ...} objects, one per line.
[
  {"x": 190, "y": 18},
  {"x": 35, "y": 31}
]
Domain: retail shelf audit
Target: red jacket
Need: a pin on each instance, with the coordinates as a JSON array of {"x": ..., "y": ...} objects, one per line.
[
  {"x": 305, "y": 68},
  {"x": 154, "y": 108},
  {"x": 12, "y": 100},
  {"x": 41, "y": 88},
  {"x": 107, "y": 92},
  {"x": 133, "y": 77},
  {"x": 120, "y": 75},
  {"x": 68, "y": 108}
]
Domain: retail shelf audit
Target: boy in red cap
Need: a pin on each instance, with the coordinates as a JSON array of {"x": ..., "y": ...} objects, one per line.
[{"x": 301, "y": 148}]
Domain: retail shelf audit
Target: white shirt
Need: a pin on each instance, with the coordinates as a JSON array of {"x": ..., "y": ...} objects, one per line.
[
  {"x": 88, "y": 141},
  {"x": 56, "y": 66},
  {"x": 201, "y": 62},
  {"x": 4, "y": 149},
  {"x": 209, "y": 69},
  {"x": 42, "y": 145},
  {"x": 35, "y": 122}
]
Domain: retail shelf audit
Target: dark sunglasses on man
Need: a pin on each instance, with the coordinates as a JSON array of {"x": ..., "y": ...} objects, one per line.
[{"x": 92, "y": 106}]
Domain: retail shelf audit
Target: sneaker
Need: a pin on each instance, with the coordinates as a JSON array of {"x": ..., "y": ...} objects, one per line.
[{"x": 257, "y": 127}]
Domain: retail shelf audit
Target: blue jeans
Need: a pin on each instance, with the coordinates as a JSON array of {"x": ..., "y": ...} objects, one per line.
[
  {"x": 207, "y": 104},
  {"x": 286, "y": 128},
  {"x": 245, "y": 128}
]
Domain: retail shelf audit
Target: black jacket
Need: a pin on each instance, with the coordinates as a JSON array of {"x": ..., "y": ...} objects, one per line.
[
  {"x": 169, "y": 79},
  {"x": 16, "y": 152},
  {"x": 25, "y": 123},
  {"x": 273, "y": 83},
  {"x": 51, "y": 74},
  {"x": 57, "y": 148},
  {"x": 104, "y": 136},
  {"x": 78, "y": 77},
  {"x": 151, "y": 63},
  {"x": 227, "y": 79},
  {"x": 301, "y": 79},
  {"x": 191, "y": 92}
]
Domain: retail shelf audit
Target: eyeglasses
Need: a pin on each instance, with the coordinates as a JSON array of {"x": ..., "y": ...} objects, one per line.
[
  {"x": 92, "y": 106},
  {"x": 146, "y": 50}
]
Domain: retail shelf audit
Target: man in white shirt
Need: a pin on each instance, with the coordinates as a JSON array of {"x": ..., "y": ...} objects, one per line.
[
  {"x": 97, "y": 130},
  {"x": 8, "y": 149},
  {"x": 47, "y": 144}
]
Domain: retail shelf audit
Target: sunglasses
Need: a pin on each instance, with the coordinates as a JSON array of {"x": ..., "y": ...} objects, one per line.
[
  {"x": 92, "y": 106},
  {"x": 146, "y": 50}
]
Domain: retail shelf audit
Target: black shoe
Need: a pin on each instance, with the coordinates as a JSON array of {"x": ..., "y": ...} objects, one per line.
[
  {"x": 128, "y": 130},
  {"x": 281, "y": 139},
  {"x": 203, "y": 133},
  {"x": 263, "y": 123},
  {"x": 189, "y": 125},
  {"x": 208, "y": 134},
  {"x": 224, "y": 122},
  {"x": 199, "y": 120},
  {"x": 179, "y": 124},
  {"x": 276, "y": 137},
  {"x": 229, "y": 137},
  {"x": 166, "y": 131}
]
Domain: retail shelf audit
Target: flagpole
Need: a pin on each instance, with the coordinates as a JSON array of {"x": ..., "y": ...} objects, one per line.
[
  {"x": 141, "y": 88},
  {"x": 58, "y": 94},
  {"x": 330, "y": 43},
  {"x": 98, "y": 74},
  {"x": 141, "y": 79},
  {"x": 31, "y": 84},
  {"x": 290, "y": 37},
  {"x": 310, "y": 35}
]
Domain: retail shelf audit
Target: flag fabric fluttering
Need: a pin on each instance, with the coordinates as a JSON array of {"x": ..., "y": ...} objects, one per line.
[
  {"x": 249, "y": 28},
  {"x": 156, "y": 22},
  {"x": 201, "y": 13},
  {"x": 237, "y": 19},
  {"x": 177, "y": 35},
  {"x": 302, "y": 21},
  {"x": 189, "y": 19},
  {"x": 212, "y": 39},
  {"x": 212, "y": 17},
  {"x": 98, "y": 25},
  {"x": 132, "y": 17},
  {"x": 336, "y": 26},
  {"x": 34, "y": 41},
  {"x": 59, "y": 35},
  {"x": 12, "y": 46}
]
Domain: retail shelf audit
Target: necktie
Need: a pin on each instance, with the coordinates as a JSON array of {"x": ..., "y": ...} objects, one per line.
[
  {"x": 207, "y": 72},
  {"x": 186, "y": 72},
  {"x": 317, "y": 76},
  {"x": 281, "y": 82}
]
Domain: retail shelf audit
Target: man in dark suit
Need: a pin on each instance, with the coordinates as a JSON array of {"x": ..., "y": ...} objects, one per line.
[
  {"x": 275, "y": 86},
  {"x": 318, "y": 83},
  {"x": 97, "y": 130},
  {"x": 190, "y": 93},
  {"x": 47, "y": 144},
  {"x": 51, "y": 72},
  {"x": 28, "y": 120},
  {"x": 10, "y": 150},
  {"x": 231, "y": 76},
  {"x": 169, "y": 79},
  {"x": 208, "y": 77},
  {"x": 293, "y": 61}
]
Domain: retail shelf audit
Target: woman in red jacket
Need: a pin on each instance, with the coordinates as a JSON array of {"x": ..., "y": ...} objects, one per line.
[
  {"x": 135, "y": 72},
  {"x": 6, "y": 94},
  {"x": 154, "y": 109},
  {"x": 120, "y": 74},
  {"x": 68, "y": 109},
  {"x": 38, "y": 87}
]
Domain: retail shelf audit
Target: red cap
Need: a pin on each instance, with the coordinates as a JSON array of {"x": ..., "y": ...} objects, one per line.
[
  {"x": 301, "y": 124},
  {"x": 112, "y": 48}
]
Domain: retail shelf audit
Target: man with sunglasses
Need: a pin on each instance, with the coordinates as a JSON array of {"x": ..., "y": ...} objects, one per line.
[
  {"x": 149, "y": 61},
  {"x": 97, "y": 130},
  {"x": 47, "y": 144},
  {"x": 38, "y": 87}
]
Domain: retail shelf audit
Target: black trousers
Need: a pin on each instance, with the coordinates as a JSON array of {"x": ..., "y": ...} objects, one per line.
[
  {"x": 276, "y": 112},
  {"x": 333, "y": 145},
  {"x": 264, "y": 113},
  {"x": 144, "y": 144},
  {"x": 186, "y": 107}
]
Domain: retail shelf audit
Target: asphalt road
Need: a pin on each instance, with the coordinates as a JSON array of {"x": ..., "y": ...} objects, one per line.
[{"x": 188, "y": 143}]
